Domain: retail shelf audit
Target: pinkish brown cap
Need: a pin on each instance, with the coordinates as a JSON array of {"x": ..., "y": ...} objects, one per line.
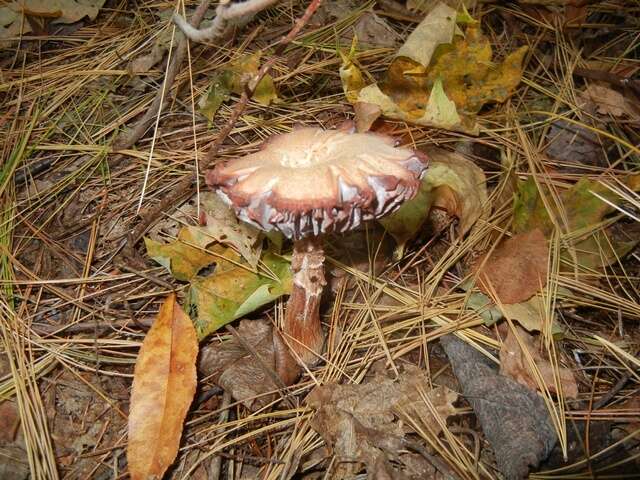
[{"x": 313, "y": 181}]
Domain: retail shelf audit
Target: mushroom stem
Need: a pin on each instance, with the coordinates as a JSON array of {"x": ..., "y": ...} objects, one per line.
[{"x": 302, "y": 318}]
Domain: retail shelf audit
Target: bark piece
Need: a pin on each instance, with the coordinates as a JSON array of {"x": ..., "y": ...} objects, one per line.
[{"x": 514, "y": 419}]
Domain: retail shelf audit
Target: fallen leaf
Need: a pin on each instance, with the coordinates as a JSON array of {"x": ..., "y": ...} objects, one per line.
[
  {"x": 9, "y": 421},
  {"x": 436, "y": 29},
  {"x": 217, "y": 93},
  {"x": 439, "y": 78},
  {"x": 608, "y": 101},
  {"x": 531, "y": 315},
  {"x": 514, "y": 419},
  {"x": 144, "y": 63},
  {"x": 350, "y": 75},
  {"x": 452, "y": 183},
  {"x": 514, "y": 363},
  {"x": 580, "y": 215},
  {"x": 164, "y": 383},
  {"x": 372, "y": 31},
  {"x": 575, "y": 145},
  {"x": 426, "y": 6},
  {"x": 360, "y": 422},
  {"x": 516, "y": 269},
  {"x": 233, "y": 290},
  {"x": 232, "y": 79},
  {"x": 233, "y": 368},
  {"x": 12, "y": 23},
  {"x": 185, "y": 256},
  {"x": 484, "y": 307},
  {"x": 224, "y": 227}
]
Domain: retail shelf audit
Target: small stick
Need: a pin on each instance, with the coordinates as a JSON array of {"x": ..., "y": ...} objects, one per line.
[
  {"x": 186, "y": 187},
  {"x": 602, "y": 401}
]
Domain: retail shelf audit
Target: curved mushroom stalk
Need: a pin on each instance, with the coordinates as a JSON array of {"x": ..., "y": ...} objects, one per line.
[{"x": 302, "y": 318}]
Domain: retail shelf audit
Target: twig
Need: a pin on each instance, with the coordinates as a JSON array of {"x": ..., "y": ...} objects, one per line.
[
  {"x": 602, "y": 401},
  {"x": 185, "y": 188},
  {"x": 89, "y": 326},
  {"x": 128, "y": 138},
  {"x": 226, "y": 15}
]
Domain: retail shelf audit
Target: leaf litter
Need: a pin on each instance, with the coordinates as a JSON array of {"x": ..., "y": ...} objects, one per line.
[
  {"x": 543, "y": 111},
  {"x": 361, "y": 423}
]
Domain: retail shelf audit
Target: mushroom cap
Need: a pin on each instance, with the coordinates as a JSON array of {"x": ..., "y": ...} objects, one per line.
[{"x": 313, "y": 181}]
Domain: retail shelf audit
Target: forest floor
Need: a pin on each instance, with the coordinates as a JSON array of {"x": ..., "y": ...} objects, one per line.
[{"x": 492, "y": 331}]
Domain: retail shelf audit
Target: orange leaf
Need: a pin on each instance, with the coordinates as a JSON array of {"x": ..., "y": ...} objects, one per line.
[
  {"x": 164, "y": 384},
  {"x": 516, "y": 269}
]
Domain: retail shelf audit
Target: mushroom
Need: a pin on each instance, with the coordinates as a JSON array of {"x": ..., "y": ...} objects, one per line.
[{"x": 308, "y": 183}]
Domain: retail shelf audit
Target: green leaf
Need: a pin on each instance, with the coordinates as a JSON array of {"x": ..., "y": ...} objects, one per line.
[
  {"x": 234, "y": 291},
  {"x": 579, "y": 217},
  {"x": 484, "y": 307},
  {"x": 407, "y": 221},
  {"x": 452, "y": 183},
  {"x": 217, "y": 93}
]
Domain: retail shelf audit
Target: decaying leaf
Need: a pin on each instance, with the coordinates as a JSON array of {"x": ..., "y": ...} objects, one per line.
[
  {"x": 194, "y": 249},
  {"x": 514, "y": 419},
  {"x": 9, "y": 421},
  {"x": 232, "y": 79},
  {"x": 224, "y": 227},
  {"x": 452, "y": 183},
  {"x": 185, "y": 256},
  {"x": 530, "y": 314},
  {"x": 164, "y": 384},
  {"x": 425, "y": 6},
  {"x": 359, "y": 422},
  {"x": 583, "y": 211},
  {"x": 146, "y": 62},
  {"x": 12, "y": 23},
  {"x": 236, "y": 370},
  {"x": 608, "y": 101},
  {"x": 516, "y": 269},
  {"x": 234, "y": 290},
  {"x": 439, "y": 78},
  {"x": 575, "y": 147},
  {"x": 514, "y": 363},
  {"x": 373, "y": 31}
]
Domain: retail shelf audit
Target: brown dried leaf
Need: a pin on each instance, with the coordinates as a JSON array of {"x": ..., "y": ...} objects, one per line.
[
  {"x": 359, "y": 422},
  {"x": 9, "y": 422},
  {"x": 514, "y": 363},
  {"x": 237, "y": 371},
  {"x": 164, "y": 384},
  {"x": 516, "y": 269},
  {"x": 146, "y": 62},
  {"x": 608, "y": 101}
]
